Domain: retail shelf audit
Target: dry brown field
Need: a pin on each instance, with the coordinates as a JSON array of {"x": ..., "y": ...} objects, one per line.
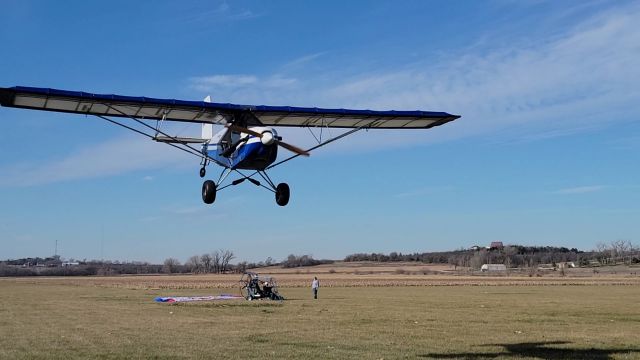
[
  {"x": 361, "y": 274},
  {"x": 364, "y": 311}
]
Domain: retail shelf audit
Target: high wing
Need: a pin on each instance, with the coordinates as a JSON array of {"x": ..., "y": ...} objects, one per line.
[{"x": 216, "y": 113}]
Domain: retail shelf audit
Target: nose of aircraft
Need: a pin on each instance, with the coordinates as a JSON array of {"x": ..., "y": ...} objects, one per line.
[{"x": 267, "y": 138}]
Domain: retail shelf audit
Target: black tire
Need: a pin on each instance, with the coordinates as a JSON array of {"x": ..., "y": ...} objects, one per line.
[
  {"x": 282, "y": 194},
  {"x": 203, "y": 172},
  {"x": 209, "y": 192}
]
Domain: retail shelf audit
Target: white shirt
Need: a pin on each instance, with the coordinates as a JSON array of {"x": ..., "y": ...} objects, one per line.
[{"x": 315, "y": 284}]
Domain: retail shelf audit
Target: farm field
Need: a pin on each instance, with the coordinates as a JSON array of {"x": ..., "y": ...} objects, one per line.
[{"x": 369, "y": 316}]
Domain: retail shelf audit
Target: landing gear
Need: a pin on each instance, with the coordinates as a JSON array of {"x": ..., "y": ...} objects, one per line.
[
  {"x": 209, "y": 191},
  {"x": 210, "y": 188},
  {"x": 203, "y": 172},
  {"x": 282, "y": 194}
]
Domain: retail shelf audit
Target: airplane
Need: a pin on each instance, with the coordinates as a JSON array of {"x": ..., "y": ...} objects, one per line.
[{"x": 248, "y": 140}]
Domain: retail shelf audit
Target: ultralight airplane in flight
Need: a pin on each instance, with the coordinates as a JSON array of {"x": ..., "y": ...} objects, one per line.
[{"x": 247, "y": 141}]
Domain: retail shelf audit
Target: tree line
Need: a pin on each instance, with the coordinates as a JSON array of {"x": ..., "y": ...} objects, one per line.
[
  {"x": 219, "y": 261},
  {"x": 83, "y": 268},
  {"x": 515, "y": 256},
  {"x": 216, "y": 262}
]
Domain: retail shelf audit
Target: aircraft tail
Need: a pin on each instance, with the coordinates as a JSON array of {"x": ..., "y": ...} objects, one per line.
[{"x": 207, "y": 129}]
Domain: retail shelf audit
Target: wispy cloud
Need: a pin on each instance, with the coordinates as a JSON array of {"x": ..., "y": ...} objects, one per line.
[
  {"x": 244, "y": 15},
  {"x": 187, "y": 210},
  {"x": 421, "y": 192},
  {"x": 229, "y": 81},
  {"x": 627, "y": 143},
  {"x": 232, "y": 85},
  {"x": 222, "y": 210},
  {"x": 579, "y": 80},
  {"x": 221, "y": 12},
  {"x": 112, "y": 157},
  {"x": 300, "y": 62},
  {"x": 580, "y": 189},
  {"x": 586, "y": 77}
]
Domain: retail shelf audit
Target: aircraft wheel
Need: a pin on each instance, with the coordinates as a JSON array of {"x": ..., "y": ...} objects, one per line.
[
  {"x": 282, "y": 194},
  {"x": 209, "y": 192},
  {"x": 203, "y": 172}
]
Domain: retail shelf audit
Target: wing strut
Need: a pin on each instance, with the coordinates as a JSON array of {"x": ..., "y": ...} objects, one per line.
[
  {"x": 321, "y": 144},
  {"x": 263, "y": 173},
  {"x": 167, "y": 139},
  {"x": 174, "y": 140},
  {"x": 198, "y": 154}
]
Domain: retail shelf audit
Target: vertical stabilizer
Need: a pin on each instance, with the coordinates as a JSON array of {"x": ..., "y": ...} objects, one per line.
[{"x": 207, "y": 129}]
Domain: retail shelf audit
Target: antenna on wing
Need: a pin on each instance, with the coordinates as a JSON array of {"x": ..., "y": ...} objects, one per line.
[{"x": 207, "y": 129}]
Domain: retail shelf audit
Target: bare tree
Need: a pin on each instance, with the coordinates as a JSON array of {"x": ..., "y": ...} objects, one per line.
[
  {"x": 510, "y": 253},
  {"x": 621, "y": 247},
  {"x": 170, "y": 265},
  {"x": 194, "y": 264},
  {"x": 478, "y": 259},
  {"x": 452, "y": 260},
  {"x": 206, "y": 260},
  {"x": 216, "y": 261},
  {"x": 269, "y": 261},
  {"x": 226, "y": 257},
  {"x": 602, "y": 250},
  {"x": 241, "y": 267}
]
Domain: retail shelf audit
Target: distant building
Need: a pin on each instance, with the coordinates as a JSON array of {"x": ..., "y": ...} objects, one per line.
[
  {"x": 568, "y": 264},
  {"x": 70, "y": 263},
  {"x": 493, "y": 267},
  {"x": 496, "y": 245}
]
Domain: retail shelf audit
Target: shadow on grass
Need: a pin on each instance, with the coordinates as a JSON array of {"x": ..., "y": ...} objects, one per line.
[{"x": 542, "y": 350}]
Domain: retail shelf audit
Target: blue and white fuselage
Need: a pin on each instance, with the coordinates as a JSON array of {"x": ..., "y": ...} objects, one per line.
[{"x": 251, "y": 153}]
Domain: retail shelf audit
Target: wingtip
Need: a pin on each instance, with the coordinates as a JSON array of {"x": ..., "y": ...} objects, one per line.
[{"x": 7, "y": 96}]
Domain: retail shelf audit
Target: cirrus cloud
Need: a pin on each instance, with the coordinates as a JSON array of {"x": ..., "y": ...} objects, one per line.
[
  {"x": 581, "y": 189},
  {"x": 112, "y": 157}
]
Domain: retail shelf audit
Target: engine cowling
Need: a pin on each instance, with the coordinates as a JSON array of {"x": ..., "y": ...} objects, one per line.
[{"x": 267, "y": 138}]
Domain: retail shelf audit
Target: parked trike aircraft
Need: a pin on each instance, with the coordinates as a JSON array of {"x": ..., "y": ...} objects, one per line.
[{"x": 247, "y": 140}]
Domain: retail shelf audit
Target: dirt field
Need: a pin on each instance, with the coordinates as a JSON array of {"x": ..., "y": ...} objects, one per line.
[{"x": 379, "y": 315}]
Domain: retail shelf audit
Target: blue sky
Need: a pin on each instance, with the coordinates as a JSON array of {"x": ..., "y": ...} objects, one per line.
[{"x": 546, "y": 151}]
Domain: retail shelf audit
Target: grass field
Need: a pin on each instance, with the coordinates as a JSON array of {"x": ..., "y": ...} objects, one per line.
[{"x": 499, "y": 318}]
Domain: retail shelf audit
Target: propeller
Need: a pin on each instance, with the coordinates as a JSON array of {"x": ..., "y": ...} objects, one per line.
[{"x": 267, "y": 139}]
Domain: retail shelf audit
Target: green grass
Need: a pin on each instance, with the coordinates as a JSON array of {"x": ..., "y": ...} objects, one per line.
[{"x": 43, "y": 320}]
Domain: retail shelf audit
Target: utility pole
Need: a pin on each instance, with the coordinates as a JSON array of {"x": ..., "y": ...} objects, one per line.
[{"x": 102, "y": 243}]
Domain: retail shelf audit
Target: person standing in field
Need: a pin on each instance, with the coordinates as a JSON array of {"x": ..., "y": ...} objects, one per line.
[{"x": 315, "y": 284}]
